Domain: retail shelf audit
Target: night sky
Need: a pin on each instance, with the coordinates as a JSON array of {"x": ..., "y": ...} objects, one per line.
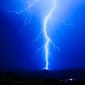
[{"x": 17, "y": 49}]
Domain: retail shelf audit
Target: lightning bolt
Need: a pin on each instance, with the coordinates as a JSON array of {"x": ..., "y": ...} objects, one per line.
[
  {"x": 47, "y": 38},
  {"x": 46, "y": 19},
  {"x": 26, "y": 9}
]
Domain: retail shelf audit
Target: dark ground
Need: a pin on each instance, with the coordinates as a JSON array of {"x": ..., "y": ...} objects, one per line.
[{"x": 43, "y": 77}]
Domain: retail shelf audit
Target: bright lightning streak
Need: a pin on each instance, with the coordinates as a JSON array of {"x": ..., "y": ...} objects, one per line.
[
  {"x": 48, "y": 40},
  {"x": 49, "y": 15}
]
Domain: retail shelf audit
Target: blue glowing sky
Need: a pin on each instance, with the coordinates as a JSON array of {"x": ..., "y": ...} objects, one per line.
[{"x": 22, "y": 38}]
